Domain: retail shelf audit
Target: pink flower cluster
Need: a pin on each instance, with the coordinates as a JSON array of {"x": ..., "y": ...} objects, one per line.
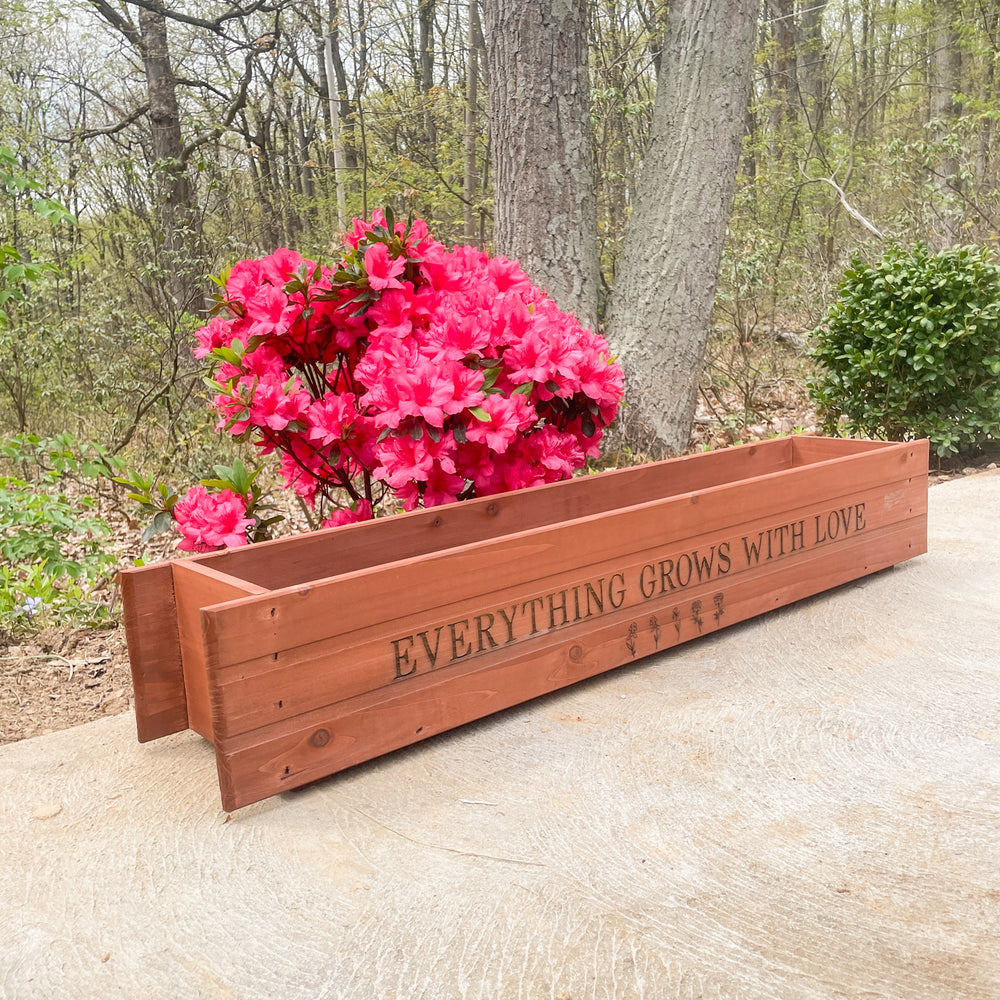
[
  {"x": 435, "y": 374},
  {"x": 211, "y": 521}
]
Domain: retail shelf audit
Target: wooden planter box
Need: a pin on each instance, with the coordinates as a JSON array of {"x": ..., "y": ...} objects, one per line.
[{"x": 303, "y": 656}]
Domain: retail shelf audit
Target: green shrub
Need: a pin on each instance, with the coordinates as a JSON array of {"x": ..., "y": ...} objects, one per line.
[{"x": 911, "y": 348}]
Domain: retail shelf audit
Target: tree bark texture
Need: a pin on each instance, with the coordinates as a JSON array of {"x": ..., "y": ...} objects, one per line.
[
  {"x": 470, "y": 187},
  {"x": 543, "y": 157},
  {"x": 813, "y": 74},
  {"x": 946, "y": 84},
  {"x": 178, "y": 216},
  {"x": 425, "y": 18},
  {"x": 661, "y": 307}
]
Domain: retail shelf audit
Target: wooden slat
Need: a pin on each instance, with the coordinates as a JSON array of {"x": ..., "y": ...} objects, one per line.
[
  {"x": 262, "y": 625},
  {"x": 354, "y": 547},
  {"x": 196, "y": 586},
  {"x": 258, "y": 691},
  {"x": 807, "y": 449},
  {"x": 287, "y": 755},
  {"x": 154, "y": 651}
]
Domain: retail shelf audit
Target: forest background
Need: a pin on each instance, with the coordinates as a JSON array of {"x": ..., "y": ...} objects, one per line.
[
  {"x": 181, "y": 137},
  {"x": 182, "y": 143}
]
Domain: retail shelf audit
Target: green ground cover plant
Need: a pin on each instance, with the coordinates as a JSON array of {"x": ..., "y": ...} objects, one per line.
[{"x": 53, "y": 545}]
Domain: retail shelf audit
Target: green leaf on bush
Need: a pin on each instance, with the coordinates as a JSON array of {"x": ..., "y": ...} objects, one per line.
[
  {"x": 916, "y": 362},
  {"x": 160, "y": 523}
]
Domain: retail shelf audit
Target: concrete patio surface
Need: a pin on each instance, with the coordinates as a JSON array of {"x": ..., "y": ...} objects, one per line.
[{"x": 802, "y": 807}]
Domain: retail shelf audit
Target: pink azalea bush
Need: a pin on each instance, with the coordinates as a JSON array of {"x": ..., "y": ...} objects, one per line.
[{"x": 407, "y": 369}]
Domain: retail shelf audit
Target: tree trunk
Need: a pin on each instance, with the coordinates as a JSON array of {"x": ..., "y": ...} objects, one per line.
[
  {"x": 425, "y": 18},
  {"x": 178, "y": 218},
  {"x": 542, "y": 149},
  {"x": 783, "y": 76},
  {"x": 470, "y": 187},
  {"x": 946, "y": 83},
  {"x": 338, "y": 88},
  {"x": 665, "y": 286},
  {"x": 812, "y": 70}
]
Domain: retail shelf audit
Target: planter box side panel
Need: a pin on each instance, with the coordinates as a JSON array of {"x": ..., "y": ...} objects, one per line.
[
  {"x": 299, "y": 677},
  {"x": 196, "y": 587},
  {"x": 253, "y": 628},
  {"x": 154, "y": 651},
  {"x": 808, "y": 449},
  {"x": 301, "y": 750}
]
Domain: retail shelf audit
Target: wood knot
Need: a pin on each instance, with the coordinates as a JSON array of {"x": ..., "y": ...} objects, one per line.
[
  {"x": 320, "y": 738},
  {"x": 576, "y": 653},
  {"x": 492, "y": 509}
]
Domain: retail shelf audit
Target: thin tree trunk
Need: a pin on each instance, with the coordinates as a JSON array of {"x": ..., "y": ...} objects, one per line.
[
  {"x": 946, "y": 83},
  {"x": 425, "y": 18},
  {"x": 665, "y": 286},
  {"x": 812, "y": 71},
  {"x": 785, "y": 96},
  {"x": 338, "y": 149},
  {"x": 471, "y": 182},
  {"x": 178, "y": 217},
  {"x": 542, "y": 148}
]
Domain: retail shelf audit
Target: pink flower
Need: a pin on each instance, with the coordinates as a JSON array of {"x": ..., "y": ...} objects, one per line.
[
  {"x": 423, "y": 390},
  {"x": 275, "y": 405},
  {"x": 442, "y": 487},
  {"x": 330, "y": 419},
  {"x": 210, "y": 521},
  {"x": 243, "y": 280},
  {"x": 217, "y": 333},
  {"x": 264, "y": 361},
  {"x": 280, "y": 266},
  {"x": 361, "y": 511},
  {"x": 528, "y": 360},
  {"x": 269, "y": 312},
  {"x": 508, "y": 417},
  {"x": 392, "y": 315},
  {"x": 382, "y": 269}
]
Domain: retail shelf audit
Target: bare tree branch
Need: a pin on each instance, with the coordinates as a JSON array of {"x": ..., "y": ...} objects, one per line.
[
  {"x": 214, "y": 25},
  {"x": 851, "y": 211},
  {"x": 91, "y": 133},
  {"x": 122, "y": 24},
  {"x": 236, "y": 105}
]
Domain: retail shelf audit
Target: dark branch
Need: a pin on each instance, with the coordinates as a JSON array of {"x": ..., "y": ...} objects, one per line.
[
  {"x": 236, "y": 105},
  {"x": 122, "y": 24}
]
